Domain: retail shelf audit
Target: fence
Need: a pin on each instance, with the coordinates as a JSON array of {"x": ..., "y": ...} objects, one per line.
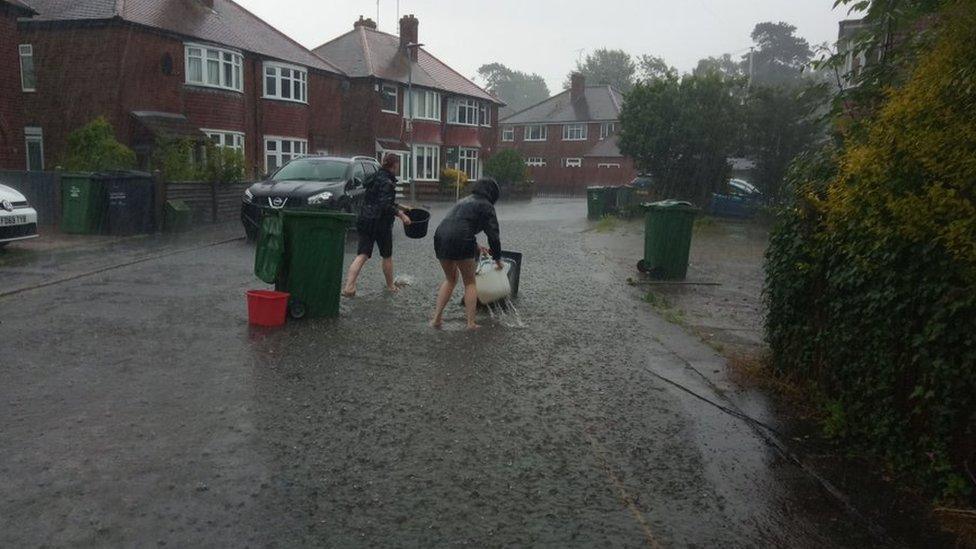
[
  {"x": 209, "y": 202},
  {"x": 42, "y": 189}
]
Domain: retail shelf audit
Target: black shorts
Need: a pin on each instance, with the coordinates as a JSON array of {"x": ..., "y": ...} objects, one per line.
[
  {"x": 378, "y": 232},
  {"x": 448, "y": 249}
]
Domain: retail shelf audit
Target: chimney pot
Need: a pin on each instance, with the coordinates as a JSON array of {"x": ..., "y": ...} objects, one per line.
[
  {"x": 409, "y": 34},
  {"x": 364, "y": 22},
  {"x": 577, "y": 86}
]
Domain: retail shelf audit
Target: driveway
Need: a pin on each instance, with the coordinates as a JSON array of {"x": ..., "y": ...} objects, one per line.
[{"x": 138, "y": 408}]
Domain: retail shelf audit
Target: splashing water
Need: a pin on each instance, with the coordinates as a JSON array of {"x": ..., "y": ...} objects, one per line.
[
  {"x": 403, "y": 280},
  {"x": 506, "y": 314}
]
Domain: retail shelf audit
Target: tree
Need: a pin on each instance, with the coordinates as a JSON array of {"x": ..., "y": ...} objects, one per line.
[
  {"x": 779, "y": 124},
  {"x": 725, "y": 65},
  {"x": 517, "y": 89},
  {"x": 507, "y": 167},
  {"x": 682, "y": 132},
  {"x": 779, "y": 57},
  {"x": 655, "y": 68},
  {"x": 606, "y": 67},
  {"x": 93, "y": 148}
]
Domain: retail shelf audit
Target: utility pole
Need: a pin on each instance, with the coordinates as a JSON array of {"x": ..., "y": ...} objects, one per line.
[
  {"x": 377, "y": 14},
  {"x": 752, "y": 52},
  {"x": 408, "y": 103}
]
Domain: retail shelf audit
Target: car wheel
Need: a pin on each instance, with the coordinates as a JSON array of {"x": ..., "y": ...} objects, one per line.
[{"x": 642, "y": 266}]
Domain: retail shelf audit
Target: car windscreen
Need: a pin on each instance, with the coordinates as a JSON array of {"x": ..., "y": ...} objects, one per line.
[{"x": 312, "y": 170}]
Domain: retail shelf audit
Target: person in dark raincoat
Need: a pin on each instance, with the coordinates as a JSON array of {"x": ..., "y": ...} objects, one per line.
[
  {"x": 457, "y": 248},
  {"x": 375, "y": 223}
]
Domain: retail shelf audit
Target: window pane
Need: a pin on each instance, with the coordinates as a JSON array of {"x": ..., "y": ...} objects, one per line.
[
  {"x": 270, "y": 85},
  {"x": 271, "y": 145},
  {"x": 27, "y": 76},
  {"x": 228, "y": 75},
  {"x": 213, "y": 72},
  {"x": 286, "y": 146},
  {"x": 297, "y": 89},
  {"x": 35, "y": 159},
  {"x": 285, "y": 89}
]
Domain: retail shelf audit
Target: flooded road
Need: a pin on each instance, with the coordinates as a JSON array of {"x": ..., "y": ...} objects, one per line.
[{"x": 138, "y": 408}]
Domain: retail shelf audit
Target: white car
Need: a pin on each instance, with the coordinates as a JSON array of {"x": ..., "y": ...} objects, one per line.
[{"x": 18, "y": 221}]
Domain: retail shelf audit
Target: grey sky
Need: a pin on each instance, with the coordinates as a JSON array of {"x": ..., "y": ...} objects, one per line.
[{"x": 544, "y": 36}]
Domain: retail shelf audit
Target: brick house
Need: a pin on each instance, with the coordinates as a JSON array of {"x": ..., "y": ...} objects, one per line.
[
  {"x": 569, "y": 140},
  {"x": 450, "y": 121},
  {"x": 190, "y": 68},
  {"x": 15, "y": 65}
]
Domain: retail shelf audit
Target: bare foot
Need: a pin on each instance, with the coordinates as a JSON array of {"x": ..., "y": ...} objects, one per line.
[
  {"x": 474, "y": 327},
  {"x": 437, "y": 324},
  {"x": 348, "y": 293},
  {"x": 392, "y": 289}
]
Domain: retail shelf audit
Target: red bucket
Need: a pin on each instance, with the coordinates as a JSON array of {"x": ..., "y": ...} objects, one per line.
[{"x": 266, "y": 308}]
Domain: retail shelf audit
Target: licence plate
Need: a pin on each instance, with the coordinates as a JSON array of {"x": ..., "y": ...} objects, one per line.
[{"x": 13, "y": 220}]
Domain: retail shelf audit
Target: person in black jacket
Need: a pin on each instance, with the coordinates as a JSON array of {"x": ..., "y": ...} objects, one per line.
[
  {"x": 457, "y": 248},
  {"x": 375, "y": 223}
]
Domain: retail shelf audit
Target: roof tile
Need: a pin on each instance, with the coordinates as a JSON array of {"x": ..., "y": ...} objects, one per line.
[{"x": 597, "y": 103}]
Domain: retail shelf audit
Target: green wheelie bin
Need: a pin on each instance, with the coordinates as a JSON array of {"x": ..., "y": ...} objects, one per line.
[
  {"x": 83, "y": 203},
  {"x": 625, "y": 201},
  {"x": 667, "y": 239},
  {"x": 311, "y": 269},
  {"x": 596, "y": 203}
]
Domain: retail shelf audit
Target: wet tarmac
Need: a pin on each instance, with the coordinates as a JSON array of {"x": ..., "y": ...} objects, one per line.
[{"x": 138, "y": 408}]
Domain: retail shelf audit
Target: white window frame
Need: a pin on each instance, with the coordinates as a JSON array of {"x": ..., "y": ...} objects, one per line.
[
  {"x": 236, "y": 64},
  {"x": 608, "y": 165},
  {"x": 226, "y": 139},
  {"x": 384, "y": 88},
  {"x": 430, "y": 101},
  {"x": 432, "y": 168},
  {"x": 279, "y": 154},
  {"x": 484, "y": 115},
  {"x": 508, "y": 133},
  {"x": 535, "y": 162},
  {"x": 297, "y": 74},
  {"x": 543, "y": 134},
  {"x": 404, "y": 162},
  {"x": 470, "y": 108},
  {"x": 574, "y": 162},
  {"x": 27, "y": 51},
  {"x": 33, "y": 134},
  {"x": 607, "y": 129},
  {"x": 574, "y": 132},
  {"x": 469, "y": 162}
]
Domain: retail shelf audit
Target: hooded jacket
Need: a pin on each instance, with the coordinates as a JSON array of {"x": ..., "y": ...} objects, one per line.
[
  {"x": 471, "y": 216},
  {"x": 379, "y": 201}
]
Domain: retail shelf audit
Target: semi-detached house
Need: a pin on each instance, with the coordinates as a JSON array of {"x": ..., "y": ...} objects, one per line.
[
  {"x": 569, "y": 141},
  {"x": 405, "y": 101},
  {"x": 16, "y": 78},
  {"x": 176, "y": 69}
]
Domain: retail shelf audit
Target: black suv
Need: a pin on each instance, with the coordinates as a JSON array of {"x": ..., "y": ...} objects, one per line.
[{"x": 316, "y": 182}]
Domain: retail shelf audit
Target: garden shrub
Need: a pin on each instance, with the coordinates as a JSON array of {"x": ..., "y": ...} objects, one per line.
[
  {"x": 451, "y": 179},
  {"x": 93, "y": 148},
  {"x": 507, "y": 167},
  {"x": 871, "y": 274}
]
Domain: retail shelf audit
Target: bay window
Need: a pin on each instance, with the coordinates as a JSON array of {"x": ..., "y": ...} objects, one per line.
[
  {"x": 462, "y": 111},
  {"x": 427, "y": 162},
  {"x": 425, "y": 105},
  {"x": 574, "y": 132},
  {"x": 285, "y": 82},
  {"x": 607, "y": 129},
  {"x": 484, "y": 115},
  {"x": 536, "y": 133},
  {"x": 278, "y": 151},
  {"x": 468, "y": 162},
  {"x": 214, "y": 67}
]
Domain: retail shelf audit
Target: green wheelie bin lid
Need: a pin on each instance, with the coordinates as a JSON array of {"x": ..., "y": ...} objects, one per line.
[
  {"x": 668, "y": 228},
  {"x": 313, "y": 261},
  {"x": 83, "y": 203}
]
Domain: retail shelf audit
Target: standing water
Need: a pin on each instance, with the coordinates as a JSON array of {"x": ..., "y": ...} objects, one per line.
[{"x": 505, "y": 312}]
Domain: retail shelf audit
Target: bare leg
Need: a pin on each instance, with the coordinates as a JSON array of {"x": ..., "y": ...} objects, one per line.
[
  {"x": 468, "y": 268},
  {"x": 354, "y": 269},
  {"x": 444, "y": 294},
  {"x": 388, "y": 273}
]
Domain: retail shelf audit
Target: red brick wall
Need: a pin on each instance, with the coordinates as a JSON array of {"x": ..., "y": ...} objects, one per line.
[
  {"x": 12, "y": 154},
  {"x": 112, "y": 70},
  {"x": 554, "y": 177}
]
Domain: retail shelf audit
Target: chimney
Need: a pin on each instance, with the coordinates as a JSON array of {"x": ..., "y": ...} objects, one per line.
[
  {"x": 577, "y": 86},
  {"x": 409, "y": 34},
  {"x": 364, "y": 22}
]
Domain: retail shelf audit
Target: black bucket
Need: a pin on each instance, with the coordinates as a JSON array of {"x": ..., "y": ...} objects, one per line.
[
  {"x": 419, "y": 220},
  {"x": 514, "y": 259}
]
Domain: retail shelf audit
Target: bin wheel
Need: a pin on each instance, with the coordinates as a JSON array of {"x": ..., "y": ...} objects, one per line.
[
  {"x": 642, "y": 267},
  {"x": 296, "y": 309}
]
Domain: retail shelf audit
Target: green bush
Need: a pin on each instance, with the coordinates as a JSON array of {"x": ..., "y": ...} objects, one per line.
[
  {"x": 507, "y": 167},
  {"x": 93, "y": 148},
  {"x": 871, "y": 274},
  {"x": 450, "y": 179}
]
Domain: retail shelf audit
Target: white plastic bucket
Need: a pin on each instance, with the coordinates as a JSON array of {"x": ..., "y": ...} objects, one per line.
[{"x": 493, "y": 284}]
